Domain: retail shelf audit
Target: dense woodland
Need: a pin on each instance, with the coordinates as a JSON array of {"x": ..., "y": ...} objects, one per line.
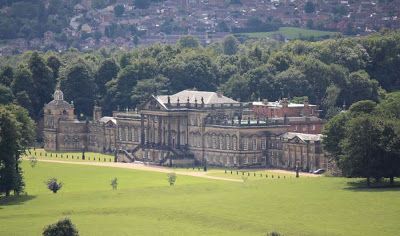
[{"x": 331, "y": 73}]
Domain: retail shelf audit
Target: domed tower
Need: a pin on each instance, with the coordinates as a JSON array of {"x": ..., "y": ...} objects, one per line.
[{"x": 54, "y": 112}]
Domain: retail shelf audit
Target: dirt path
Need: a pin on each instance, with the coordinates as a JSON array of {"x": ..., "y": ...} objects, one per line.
[
  {"x": 143, "y": 167},
  {"x": 293, "y": 173}
]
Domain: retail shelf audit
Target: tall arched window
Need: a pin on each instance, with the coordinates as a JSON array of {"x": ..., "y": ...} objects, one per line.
[
  {"x": 209, "y": 141},
  {"x": 254, "y": 143},
  {"x": 263, "y": 144},
  {"x": 191, "y": 139},
  {"x": 214, "y": 141},
  {"x": 228, "y": 142},
  {"x": 221, "y": 142},
  {"x": 245, "y": 143},
  {"x": 234, "y": 143},
  {"x": 198, "y": 140}
]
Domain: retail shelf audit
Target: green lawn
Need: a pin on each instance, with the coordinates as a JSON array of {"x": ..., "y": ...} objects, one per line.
[
  {"x": 250, "y": 175},
  {"x": 144, "y": 204},
  {"x": 292, "y": 33},
  {"x": 70, "y": 156}
]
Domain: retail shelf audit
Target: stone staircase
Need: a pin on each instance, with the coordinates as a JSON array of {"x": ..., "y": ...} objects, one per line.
[
  {"x": 167, "y": 154},
  {"x": 125, "y": 156}
]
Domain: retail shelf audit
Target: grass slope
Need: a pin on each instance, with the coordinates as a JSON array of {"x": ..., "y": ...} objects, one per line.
[
  {"x": 144, "y": 204},
  {"x": 292, "y": 33}
]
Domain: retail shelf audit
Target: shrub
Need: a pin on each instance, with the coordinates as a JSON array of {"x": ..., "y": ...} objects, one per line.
[
  {"x": 274, "y": 234},
  {"x": 61, "y": 228},
  {"x": 171, "y": 178},
  {"x": 53, "y": 185}
]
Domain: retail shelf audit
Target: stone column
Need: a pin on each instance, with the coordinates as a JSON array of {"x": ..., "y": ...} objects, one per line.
[
  {"x": 163, "y": 130},
  {"x": 169, "y": 131},
  {"x": 159, "y": 130},
  {"x": 153, "y": 129},
  {"x": 142, "y": 129},
  {"x": 148, "y": 129},
  {"x": 179, "y": 132}
]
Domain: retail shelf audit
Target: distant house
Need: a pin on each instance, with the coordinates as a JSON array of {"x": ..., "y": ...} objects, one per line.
[
  {"x": 302, "y": 118},
  {"x": 79, "y": 8},
  {"x": 86, "y": 28}
]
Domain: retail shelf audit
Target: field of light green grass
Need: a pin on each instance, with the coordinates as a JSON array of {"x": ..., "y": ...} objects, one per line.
[
  {"x": 144, "y": 204},
  {"x": 248, "y": 174},
  {"x": 292, "y": 33}
]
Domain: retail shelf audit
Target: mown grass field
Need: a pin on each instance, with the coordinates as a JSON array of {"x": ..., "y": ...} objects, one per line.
[
  {"x": 292, "y": 33},
  {"x": 145, "y": 204},
  {"x": 248, "y": 174}
]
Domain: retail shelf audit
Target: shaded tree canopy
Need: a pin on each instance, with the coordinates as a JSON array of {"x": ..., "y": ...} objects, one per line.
[
  {"x": 6, "y": 95},
  {"x": 331, "y": 73},
  {"x": 309, "y": 7},
  {"x": 78, "y": 86},
  {"x": 230, "y": 45},
  {"x": 188, "y": 42},
  {"x": 17, "y": 132},
  {"x": 62, "y": 228},
  {"x": 365, "y": 140}
]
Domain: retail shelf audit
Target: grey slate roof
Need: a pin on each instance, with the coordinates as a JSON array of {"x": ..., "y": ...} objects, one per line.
[
  {"x": 106, "y": 119},
  {"x": 208, "y": 97},
  {"x": 278, "y": 104},
  {"x": 304, "y": 137}
]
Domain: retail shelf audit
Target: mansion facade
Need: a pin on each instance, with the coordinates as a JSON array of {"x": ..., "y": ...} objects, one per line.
[{"x": 187, "y": 128}]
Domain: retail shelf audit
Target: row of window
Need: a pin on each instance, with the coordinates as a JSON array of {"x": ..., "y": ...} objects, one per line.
[
  {"x": 128, "y": 134},
  {"x": 227, "y": 142},
  {"x": 254, "y": 143},
  {"x": 222, "y": 142}
]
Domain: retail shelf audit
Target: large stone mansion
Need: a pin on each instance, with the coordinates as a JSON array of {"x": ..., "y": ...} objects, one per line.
[{"x": 191, "y": 127}]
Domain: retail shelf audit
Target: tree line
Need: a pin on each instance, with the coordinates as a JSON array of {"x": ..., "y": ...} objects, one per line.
[{"x": 331, "y": 73}]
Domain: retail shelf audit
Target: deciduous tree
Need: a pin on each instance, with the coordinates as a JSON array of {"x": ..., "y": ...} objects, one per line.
[
  {"x": 188, "y": 42},
  {"x": 16, "y": 133},
  {"x": 43, "y": 80},
  {"x": 78, "y": 86},
  {"x": 61, "y": 228},
  {"x": 230, "y": 45}
]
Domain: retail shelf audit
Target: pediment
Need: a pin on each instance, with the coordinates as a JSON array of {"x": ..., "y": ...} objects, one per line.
[
  {"x": 110, "y": 124},
  {"x": 152, "y": 104},
  {"x": 296, "y": 140}
]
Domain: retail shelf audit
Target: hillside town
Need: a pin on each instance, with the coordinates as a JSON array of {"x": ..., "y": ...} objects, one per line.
[{"x": 93, "y": 24}]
